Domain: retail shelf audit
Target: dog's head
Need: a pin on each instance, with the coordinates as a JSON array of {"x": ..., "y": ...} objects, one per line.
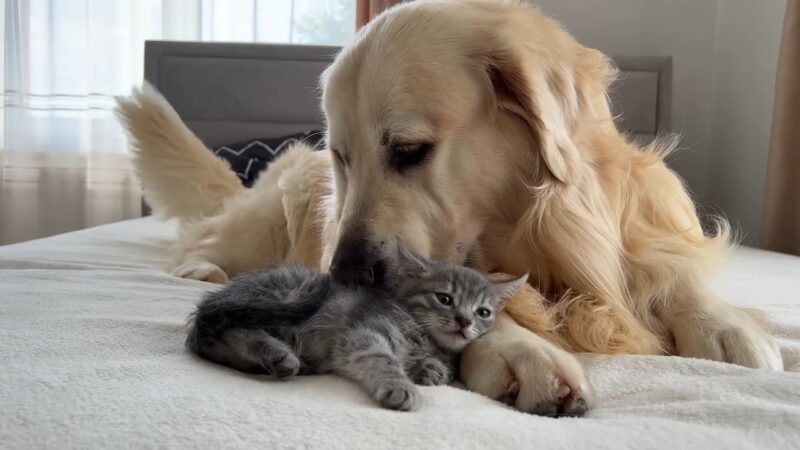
[{"x": 441, "y": 117}]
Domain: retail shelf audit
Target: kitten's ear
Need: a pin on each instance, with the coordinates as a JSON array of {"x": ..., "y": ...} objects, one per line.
[
  {"x": 505, "y": 289},
  {"x": 410, "y": 261}
]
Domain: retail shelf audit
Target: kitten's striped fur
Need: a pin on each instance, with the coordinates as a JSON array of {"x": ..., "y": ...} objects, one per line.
[{"x": 290, "y": 320}]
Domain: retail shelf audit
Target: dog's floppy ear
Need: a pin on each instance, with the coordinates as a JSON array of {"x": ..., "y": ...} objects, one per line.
[
  {"x": 548, "y": 96},
  {"x": 514, "y": 91}
]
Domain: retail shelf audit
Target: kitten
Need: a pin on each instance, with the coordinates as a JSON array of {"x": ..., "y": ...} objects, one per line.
[{"x": 290, "y": 320}]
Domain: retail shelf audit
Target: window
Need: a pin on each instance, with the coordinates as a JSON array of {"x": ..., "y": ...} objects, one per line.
[
  {"x": 65, "y": 60},
  {"x": 328, "y": 22}
]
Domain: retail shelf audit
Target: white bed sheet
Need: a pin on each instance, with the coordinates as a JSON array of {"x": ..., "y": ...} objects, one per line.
[{"x": 91, "y": 356}]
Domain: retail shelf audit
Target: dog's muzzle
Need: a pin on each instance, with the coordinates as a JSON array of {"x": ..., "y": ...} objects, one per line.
[{"x": 354, "y": 263}]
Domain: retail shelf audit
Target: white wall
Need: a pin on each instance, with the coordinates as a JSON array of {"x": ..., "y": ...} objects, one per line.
[
  {"x": 747, "y": 45},
  {"x": 724, "y": 59}
]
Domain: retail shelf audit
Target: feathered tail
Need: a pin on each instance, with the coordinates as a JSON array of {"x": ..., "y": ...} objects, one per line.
[{"x": 180, "y": 176}]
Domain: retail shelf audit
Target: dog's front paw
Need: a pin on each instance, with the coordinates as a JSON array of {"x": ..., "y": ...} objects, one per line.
[
  {"x": 557, "y": 400},
  {"x": 547, "y": 381},
  {"x": 431, "y": 372},
  {"x": 398, "y": 395},
  {"x": 521, "y": 369},
  {"x": 726, "y": 334},
  {"x": 202, "y": 271}
]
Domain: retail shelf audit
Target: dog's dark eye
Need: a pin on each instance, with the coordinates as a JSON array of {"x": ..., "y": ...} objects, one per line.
[
  {"x": 406, "y": 156},
  {"x": 484, "y": 313},
  {"x": 444, "y": 299}
]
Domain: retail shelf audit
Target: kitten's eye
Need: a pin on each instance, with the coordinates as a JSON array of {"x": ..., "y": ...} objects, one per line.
[
  {"x": 444, "y": 299},
  {"x": 484, "y": 313}
]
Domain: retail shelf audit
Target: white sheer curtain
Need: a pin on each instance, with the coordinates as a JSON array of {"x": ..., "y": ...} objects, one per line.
[{"x": 63, "y": 158}]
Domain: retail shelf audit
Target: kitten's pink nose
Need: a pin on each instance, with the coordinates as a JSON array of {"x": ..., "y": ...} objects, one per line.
[{"x": 463, "y": 321}]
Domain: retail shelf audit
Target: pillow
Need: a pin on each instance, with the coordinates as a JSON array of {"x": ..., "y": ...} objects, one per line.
[{"x": 248, "y": 159}]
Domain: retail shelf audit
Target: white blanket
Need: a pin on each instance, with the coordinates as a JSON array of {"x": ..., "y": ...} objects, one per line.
[{"x": 91, "y": 356}]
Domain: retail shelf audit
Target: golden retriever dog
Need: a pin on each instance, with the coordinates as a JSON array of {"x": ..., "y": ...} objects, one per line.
[{"x": 480, "y": 133}]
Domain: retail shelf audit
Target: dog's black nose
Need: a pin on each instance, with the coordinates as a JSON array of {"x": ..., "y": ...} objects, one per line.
[
  {"x": 354, "y": 264},
  {"x": 349, "y": 273}
]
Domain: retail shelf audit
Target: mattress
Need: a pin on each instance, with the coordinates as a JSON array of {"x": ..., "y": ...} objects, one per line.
[{"x": 92, "y": 356}]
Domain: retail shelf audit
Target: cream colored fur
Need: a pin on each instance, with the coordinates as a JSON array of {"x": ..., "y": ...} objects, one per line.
[
  {"x": 528, "y": 174},
  {"x": 179, "y": 180}
]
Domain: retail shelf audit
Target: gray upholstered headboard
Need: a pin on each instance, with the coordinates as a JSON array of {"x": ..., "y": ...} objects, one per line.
[{"x": 231, "y": 92}]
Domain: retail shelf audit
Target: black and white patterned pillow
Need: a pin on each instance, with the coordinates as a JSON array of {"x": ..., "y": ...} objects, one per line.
[{"x": 248, "y": 159}]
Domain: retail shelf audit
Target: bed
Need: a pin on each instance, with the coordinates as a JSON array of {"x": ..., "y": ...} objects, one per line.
[{"x": 92, "y": 324}]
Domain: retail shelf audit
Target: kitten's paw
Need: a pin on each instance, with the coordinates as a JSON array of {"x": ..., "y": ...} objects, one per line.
[
  {"x": 432, "y": 372},
  {"x": 201, "y": 271},
  {"x": 400, "y": 396},
  {"x": 283, "y": 365}
]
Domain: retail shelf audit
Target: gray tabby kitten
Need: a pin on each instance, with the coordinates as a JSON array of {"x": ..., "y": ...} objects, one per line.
[{"x": 290, "y": 320}]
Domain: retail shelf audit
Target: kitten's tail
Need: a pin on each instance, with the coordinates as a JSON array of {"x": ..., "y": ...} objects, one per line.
[
  {"x": 220, "y": 350},
  {"x": 231, "y": 343},
  {"x": 193, "y": 343},
  {"x": 239, "y": 307}
]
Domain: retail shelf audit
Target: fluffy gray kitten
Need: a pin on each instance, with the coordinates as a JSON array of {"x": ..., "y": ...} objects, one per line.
[{"x": 290, "y": 320}]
